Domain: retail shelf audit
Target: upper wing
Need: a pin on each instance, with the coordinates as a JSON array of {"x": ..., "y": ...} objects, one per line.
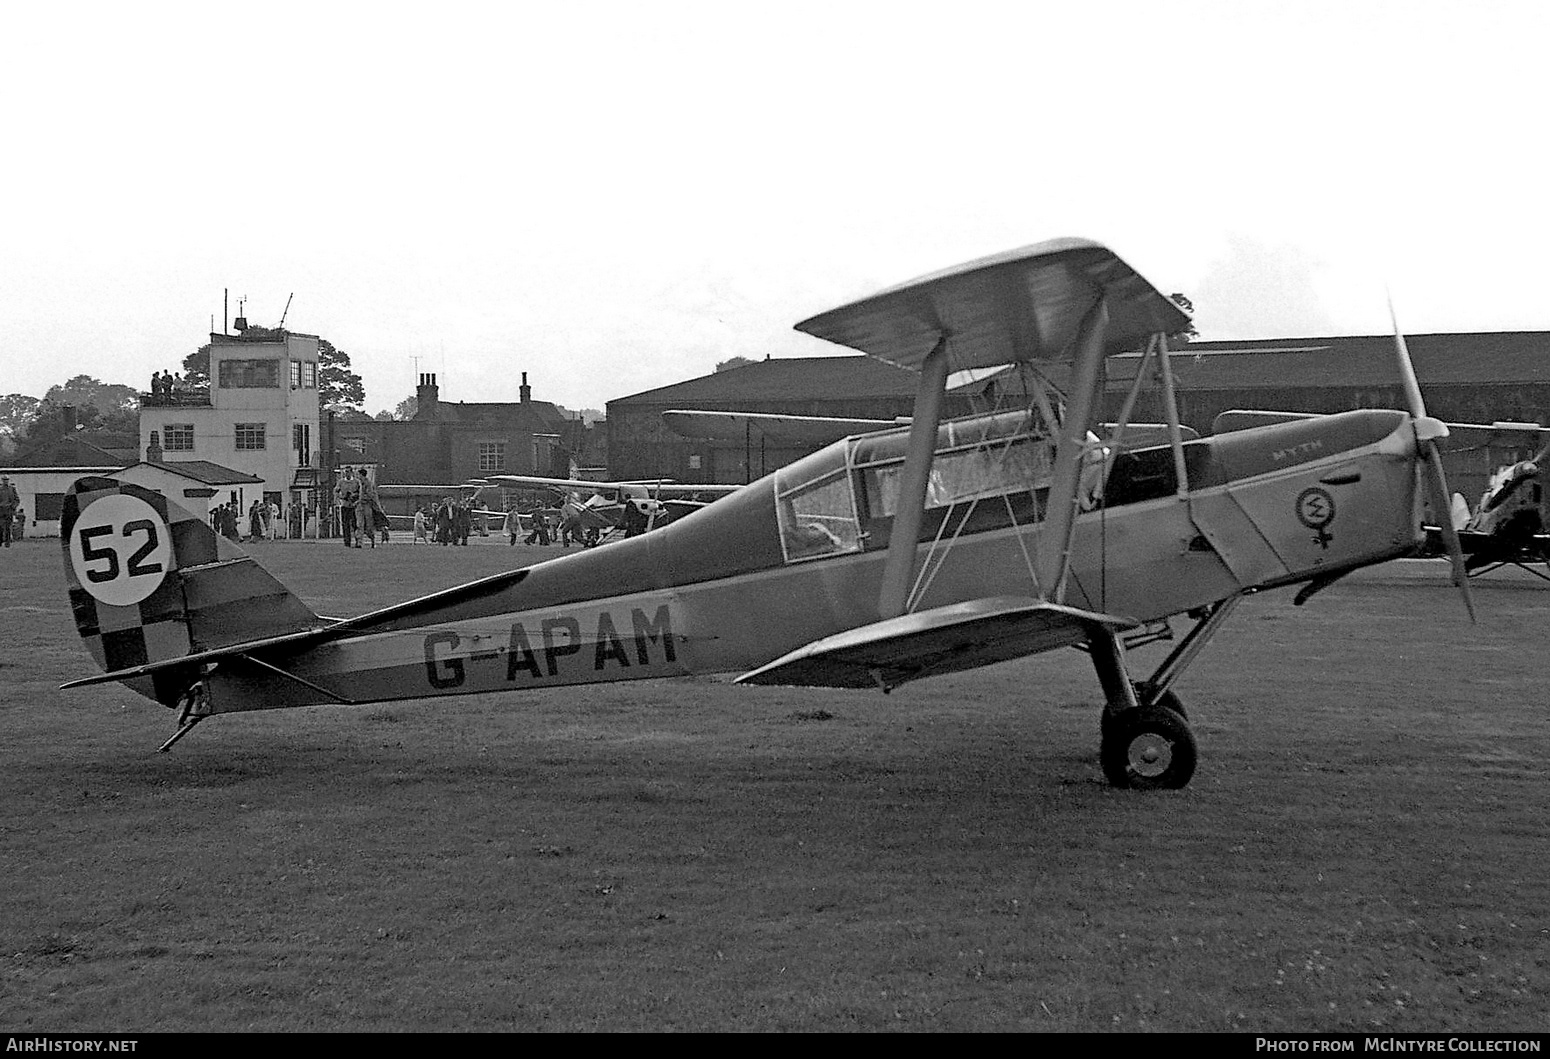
[
  {"x": 1021, "y": 305},
  {"x": 932, "y": 642}
]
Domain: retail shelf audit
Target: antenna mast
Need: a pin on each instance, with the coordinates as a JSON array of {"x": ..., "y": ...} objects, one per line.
[{"x": 287, "y": 309}]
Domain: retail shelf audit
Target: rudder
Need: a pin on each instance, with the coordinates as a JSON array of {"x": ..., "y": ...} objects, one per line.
[{"x": 151, "y": 582}]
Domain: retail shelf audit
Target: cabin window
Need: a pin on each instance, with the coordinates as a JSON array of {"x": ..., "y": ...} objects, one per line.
[
  {"x": 818, "y": 517},
  {"x": 967, "y": 475}
]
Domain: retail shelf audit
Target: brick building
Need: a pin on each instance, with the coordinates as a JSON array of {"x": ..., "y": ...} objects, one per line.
[{"x": 450, "y": 442}]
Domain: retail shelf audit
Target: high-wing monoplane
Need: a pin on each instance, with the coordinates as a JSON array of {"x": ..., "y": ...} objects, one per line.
[
  {"x": 880, "y": 559},
  {"x": 594, "y": 507}
]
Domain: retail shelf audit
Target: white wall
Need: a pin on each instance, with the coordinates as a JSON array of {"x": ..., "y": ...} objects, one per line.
[
  {"x": 30, "y": 481},
  {"x": 278, "y": 409}
]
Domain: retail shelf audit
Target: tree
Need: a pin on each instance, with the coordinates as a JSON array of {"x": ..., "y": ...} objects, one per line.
[
  {"x": 55, "y": 421},
  {"x": 16, "y": 411},
  {"x": 98, "y": 406},
  {"x": 406, "y": 409},
  {"x": 732, "y": 362},
  {"x": 1188, "y": 306},
  {"x": 196, "y": 368},
  {"x": 338, "y": 386},
  {"x": 106, "y": 397}
]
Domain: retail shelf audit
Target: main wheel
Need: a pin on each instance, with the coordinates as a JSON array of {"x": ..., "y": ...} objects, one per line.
[
  {"x": 1169, "y": 701},
  {"x": 1149, "y": 748}
]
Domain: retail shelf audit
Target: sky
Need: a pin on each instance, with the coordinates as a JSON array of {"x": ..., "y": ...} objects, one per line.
[{"x": 614, "y": 197}]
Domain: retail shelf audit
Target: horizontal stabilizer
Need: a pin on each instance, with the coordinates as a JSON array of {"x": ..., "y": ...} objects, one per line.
[
  {"x": 932, "y": 642},
  {"x": 411, "y": 614}
]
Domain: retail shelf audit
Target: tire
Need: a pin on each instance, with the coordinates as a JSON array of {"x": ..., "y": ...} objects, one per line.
[
  {"x": 1168, "y": 701},
  {"x": 1149, "y": 748}
]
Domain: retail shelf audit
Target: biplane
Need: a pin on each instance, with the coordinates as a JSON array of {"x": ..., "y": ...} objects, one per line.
[
  {"x": 880, "y": 559},
  {"x": 1507, "y": 527}
]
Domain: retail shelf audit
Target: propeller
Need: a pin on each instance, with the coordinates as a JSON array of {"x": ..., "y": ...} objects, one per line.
[{"x": 1427, "y": 432}]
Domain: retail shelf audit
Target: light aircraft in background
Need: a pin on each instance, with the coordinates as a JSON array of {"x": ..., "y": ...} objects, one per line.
[
  {"x": 1507, "y": 528},
  {"x": 880, "y": 559},
  {"x": 593, "y": 508},
  {"x": 472, "y": 491}
]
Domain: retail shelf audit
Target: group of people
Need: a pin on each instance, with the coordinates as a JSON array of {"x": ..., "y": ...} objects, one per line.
[
  {"x": 13, "y": 520},
  {"x": 361, "y": 518},
  {"x": 166, "y": 387},
  {"x": 563, "y": 527},
  {"x": 262, "y": 521},
  {"x": 451, "y": 521}
]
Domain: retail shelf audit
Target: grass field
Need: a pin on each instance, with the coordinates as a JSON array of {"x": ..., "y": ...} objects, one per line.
[{"x": 1363, "y": 847}]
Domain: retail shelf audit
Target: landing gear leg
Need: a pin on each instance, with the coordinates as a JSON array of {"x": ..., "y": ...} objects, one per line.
[
  {"x": 1155, "y": 689},
  {"x": 1145, "y": 745}
]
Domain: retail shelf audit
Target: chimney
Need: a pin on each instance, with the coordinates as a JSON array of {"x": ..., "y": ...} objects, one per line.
[
  {"x": 525, "y": 390},
  {"x": 426, "y": 395},
  {"x": 153, "y": 450}
]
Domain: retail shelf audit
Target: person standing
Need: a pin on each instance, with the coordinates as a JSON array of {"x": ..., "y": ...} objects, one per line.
[
  {"x": 346, "y": 494},
  {"x": 10, "y": 500},
  {"x": 539, "y": 534},
  {"x": 367, "y": 509}
]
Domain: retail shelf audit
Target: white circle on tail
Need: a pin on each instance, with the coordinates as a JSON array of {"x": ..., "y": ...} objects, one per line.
[{"x": 121, "y": 549}]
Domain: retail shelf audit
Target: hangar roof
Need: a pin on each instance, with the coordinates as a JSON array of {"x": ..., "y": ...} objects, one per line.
[
  {"x": 1480, "y": 357},
  {"x": 1483, "y": 357},
  {"x": 788, "y": 378}
]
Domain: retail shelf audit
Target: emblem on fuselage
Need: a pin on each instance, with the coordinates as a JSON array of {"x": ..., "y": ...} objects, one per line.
[{"x": 1316, "y": 510}]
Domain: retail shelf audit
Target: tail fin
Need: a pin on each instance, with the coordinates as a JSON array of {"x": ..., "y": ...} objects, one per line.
[{"x": 150, "y": 582}]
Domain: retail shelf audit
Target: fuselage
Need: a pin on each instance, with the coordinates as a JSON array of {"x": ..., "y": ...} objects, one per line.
[{"x": 798, "y": 556}]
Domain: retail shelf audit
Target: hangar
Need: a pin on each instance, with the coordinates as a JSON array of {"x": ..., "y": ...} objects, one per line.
[{"x": 1476, "y": 377}]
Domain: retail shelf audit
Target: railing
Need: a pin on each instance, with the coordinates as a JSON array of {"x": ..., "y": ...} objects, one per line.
[{"x": 197, "y": 398}]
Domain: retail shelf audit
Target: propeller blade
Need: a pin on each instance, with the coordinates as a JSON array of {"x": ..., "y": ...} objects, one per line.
[
  {"x": 1450, "y": 536},
  {"x": 1407, "y": 379},
  {"x": 1426, "y": 447}
]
